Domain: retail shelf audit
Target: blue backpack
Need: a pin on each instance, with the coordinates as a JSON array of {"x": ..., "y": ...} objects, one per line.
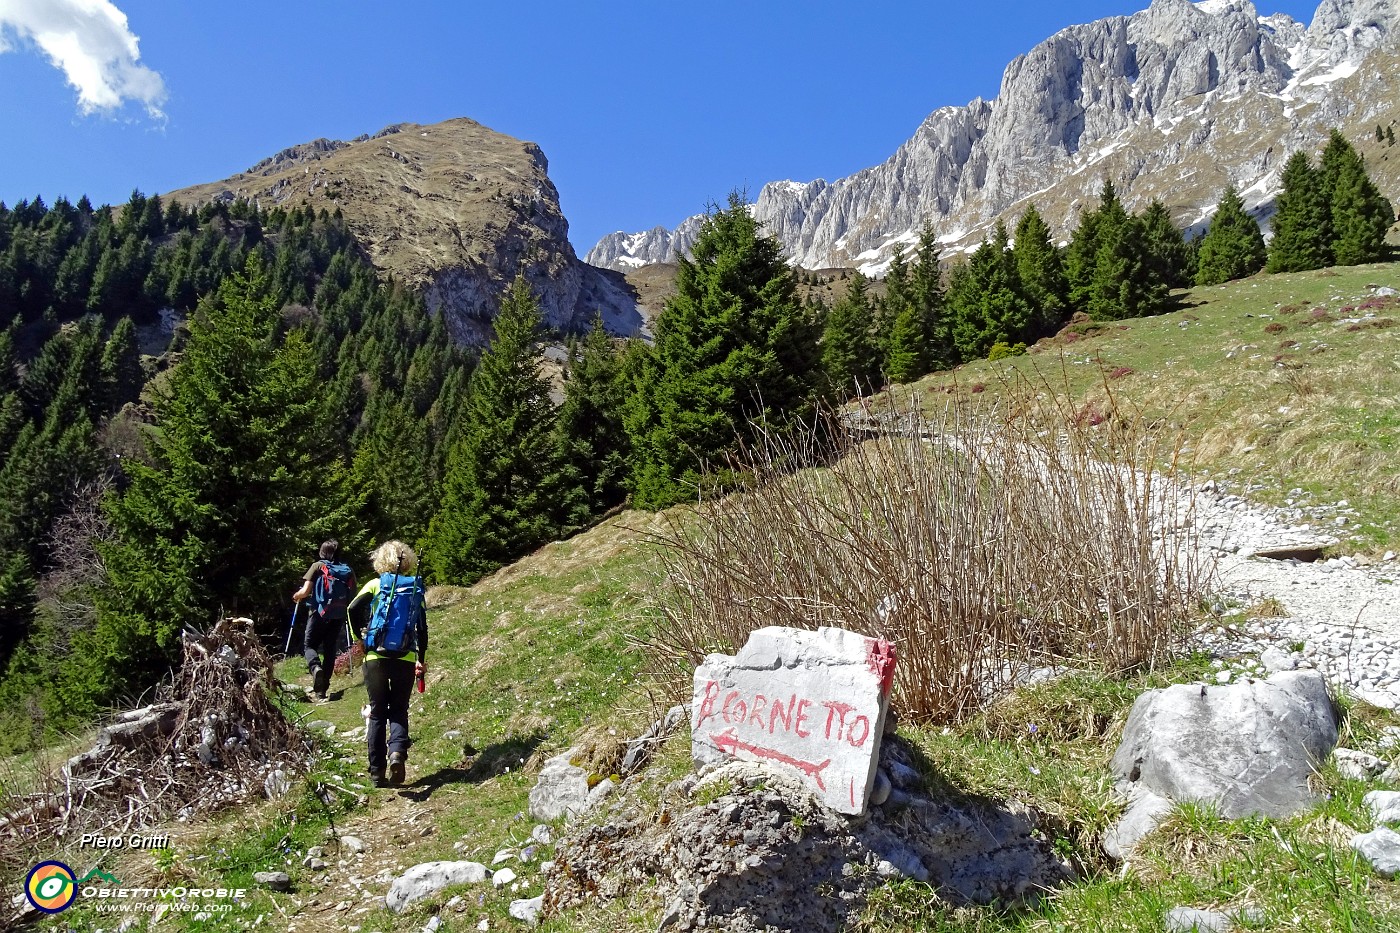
[
  {"x": 393, "y": 628},
  {"x": 333, "y": 590}
]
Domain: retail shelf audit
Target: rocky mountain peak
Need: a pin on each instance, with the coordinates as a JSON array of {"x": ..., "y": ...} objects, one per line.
[
  {"x": 1173, "y": 102},
  {"x": 453, "y": 208}
]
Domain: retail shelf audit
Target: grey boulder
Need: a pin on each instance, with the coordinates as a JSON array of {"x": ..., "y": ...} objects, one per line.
[
  {"x": 1384, "y": 805},
  {"x": 276, "y": 880},
  {"x": 1381, "y": 848},
  {"x": 527, "y": 909},
  {"x": 1247, "y": 748},
  {"x": 562, "y": 789},
  {"x": 1145, "y": 811},
  {"x": 1191, "y": 920},
  {"x": 425, "y": 880}
]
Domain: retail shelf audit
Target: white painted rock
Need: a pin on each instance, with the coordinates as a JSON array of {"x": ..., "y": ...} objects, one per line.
[
  {"x": 562, "y": 789},
  {"x": 427, "y": 879},
  {"x": 527, "y": 909},
  {"x": 811, "y": 703},
  {"x": 1381, "y": 848},
  {"x": 1248, "y": 748}
]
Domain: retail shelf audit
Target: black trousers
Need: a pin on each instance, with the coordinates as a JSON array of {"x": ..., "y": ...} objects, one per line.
[
  {"x": 389, "y": 683},
  {"x": 323, "y": 641}
]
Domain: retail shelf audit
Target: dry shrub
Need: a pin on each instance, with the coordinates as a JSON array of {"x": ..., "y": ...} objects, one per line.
[
  {"x": 1299, "y": 380},
  {"x": 982, "y": 549},
  {"x": 1274, "y": 328},
  {"x": 207, "y": 743}
]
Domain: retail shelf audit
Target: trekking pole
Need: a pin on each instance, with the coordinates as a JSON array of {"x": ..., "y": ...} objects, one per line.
[{"x": 291, "y": 627}]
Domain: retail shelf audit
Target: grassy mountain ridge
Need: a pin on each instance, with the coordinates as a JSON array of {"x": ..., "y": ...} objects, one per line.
[{"x": 452, "y": 208}]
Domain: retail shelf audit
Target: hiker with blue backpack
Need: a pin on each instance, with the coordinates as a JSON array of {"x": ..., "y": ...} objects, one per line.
[
  {"x": 396, "y": 643},
  {"x": 329, "y": 584}
]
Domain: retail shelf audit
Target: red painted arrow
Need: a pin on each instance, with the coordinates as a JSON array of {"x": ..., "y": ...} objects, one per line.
[{"x": 729, "y": 742}]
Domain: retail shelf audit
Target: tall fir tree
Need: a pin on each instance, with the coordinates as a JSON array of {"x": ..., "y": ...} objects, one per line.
[
  {"x": 986, "y": 302},
  {"x": 893, "y": 303},
  {"x": 122, "y": 376},
  {"x": 1359, "y": 214},
  {"x": 244, "y": 478},
  {"x": 926, "y": 294},
  {"x": 1302, "y": 222},
  {"x": 850, "y": 358},
  {"x": 734, "y": 347},
  {"x": 1110, "y": 271},
  {"x": 1041, "y": 272},
  {"x": 590, "y": 437},
  {"x": 501, "y": 485},
  {"x": 1168, "y": 255},
  {"x": 1233, "y": 247}
]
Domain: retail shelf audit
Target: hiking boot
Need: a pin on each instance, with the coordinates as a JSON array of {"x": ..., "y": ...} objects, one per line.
[
  {"x": 397, "y": 768},
  {"x": 319, "y": 698},
  {"x": 376, "y": 777}
]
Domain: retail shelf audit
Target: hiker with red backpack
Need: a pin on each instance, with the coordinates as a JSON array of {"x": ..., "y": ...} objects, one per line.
[
  {"x": 396, "y": 644},
  {"x": 329, "y": 584}
]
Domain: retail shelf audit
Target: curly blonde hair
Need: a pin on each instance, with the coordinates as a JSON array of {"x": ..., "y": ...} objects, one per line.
[{"x": 394, "y": 557}]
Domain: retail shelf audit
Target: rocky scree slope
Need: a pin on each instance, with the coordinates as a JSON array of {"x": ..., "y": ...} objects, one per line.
[
  {"x": 454, "y": 209},
  {"x": 1174, "y": 102}
]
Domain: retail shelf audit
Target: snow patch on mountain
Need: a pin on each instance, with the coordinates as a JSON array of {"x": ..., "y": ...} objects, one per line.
[{"x": 1175, "y": 102}]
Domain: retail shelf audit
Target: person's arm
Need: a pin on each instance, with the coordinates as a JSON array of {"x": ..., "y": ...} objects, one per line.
[
  {"x": 307, "y": 580},
  {"x": 366, "y": 591}
]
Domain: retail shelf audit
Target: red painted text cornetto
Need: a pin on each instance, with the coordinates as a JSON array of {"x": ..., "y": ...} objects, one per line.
[{"x": 792, "y": 715}]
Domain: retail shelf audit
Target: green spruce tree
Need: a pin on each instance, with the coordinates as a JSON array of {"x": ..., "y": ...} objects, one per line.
[
  {"x": 1168, "y": 255},
  {"x": 734, "y": 348},
  {"x": 986, "y": 301},
  {"x": 501, "y": 485},
  {"x": 926, "y": 294},
  {"x": 1302, "y": 221},
  {"x": 850, "y": 358},
  {"x": 1233, "y": 247},
  {"x": 590, "y": 437},
  {"x": 244, "y": 477},
  {"x": 1041, "y": 273},
  {"x": 1359, "y": 214}
]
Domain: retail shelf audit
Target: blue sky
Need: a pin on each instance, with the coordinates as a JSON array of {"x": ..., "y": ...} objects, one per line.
[{"x": 646, "y": 111}]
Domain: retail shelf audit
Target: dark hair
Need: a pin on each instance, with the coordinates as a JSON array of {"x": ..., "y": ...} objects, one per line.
[{"x": 328, "y": 549}]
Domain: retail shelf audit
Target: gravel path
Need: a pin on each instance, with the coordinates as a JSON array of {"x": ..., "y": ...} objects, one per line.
[{"x": 1340, "y": 615}]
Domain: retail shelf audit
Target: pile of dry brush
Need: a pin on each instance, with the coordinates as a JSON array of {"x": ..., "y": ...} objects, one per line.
[
  {"x": 983, "y": 547},
  {"x": 214, "y": 738}
]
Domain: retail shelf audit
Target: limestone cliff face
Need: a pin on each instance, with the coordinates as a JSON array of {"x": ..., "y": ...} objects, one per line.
[
  {"x": 1173, "y": 102},
  {"x": 454, "y": 209}
]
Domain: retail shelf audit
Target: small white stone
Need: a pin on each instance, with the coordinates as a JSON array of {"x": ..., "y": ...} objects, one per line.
[{"x": 503, "y": 877}]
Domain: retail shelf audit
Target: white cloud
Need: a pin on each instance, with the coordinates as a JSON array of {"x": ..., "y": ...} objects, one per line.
[{"x": 90, "y": 42}]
